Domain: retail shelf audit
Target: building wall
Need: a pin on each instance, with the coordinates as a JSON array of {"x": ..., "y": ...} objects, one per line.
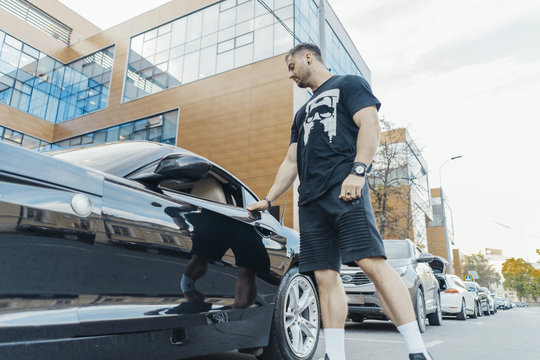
[
  {"x": 458, "y": 262},
  {"x": 436, "y": 242}
]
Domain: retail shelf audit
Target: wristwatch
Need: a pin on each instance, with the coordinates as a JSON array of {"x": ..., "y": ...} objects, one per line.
[
  {"x": 269, "y": 202},
  {"x": 359, "y": 169}
]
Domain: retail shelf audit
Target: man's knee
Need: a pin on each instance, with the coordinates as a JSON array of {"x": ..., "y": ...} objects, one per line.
[
  {"x": 372, "y": 266},
  {"x": 327, "y": 278}
]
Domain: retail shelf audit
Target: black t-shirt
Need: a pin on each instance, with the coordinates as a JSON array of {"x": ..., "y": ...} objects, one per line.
[{"x": 326, "y": 133}]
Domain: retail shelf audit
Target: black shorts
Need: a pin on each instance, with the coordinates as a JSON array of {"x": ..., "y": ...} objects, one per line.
[{"x": 335, "y": 232}]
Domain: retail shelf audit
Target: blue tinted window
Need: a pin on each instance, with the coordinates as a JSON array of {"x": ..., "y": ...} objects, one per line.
[{"x": 44, "y": 87}]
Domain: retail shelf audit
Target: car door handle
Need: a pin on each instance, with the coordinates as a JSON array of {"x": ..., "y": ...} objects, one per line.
[{"x": 264, "y": 230}]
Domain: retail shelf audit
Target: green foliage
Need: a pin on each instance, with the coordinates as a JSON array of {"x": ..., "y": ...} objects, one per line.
[
  {"x": 522, "y": 277},
  {"x": 487, "y": 275}
]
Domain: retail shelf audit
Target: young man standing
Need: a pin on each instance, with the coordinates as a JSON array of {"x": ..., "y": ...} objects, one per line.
[{"x": 334, "y": 137}]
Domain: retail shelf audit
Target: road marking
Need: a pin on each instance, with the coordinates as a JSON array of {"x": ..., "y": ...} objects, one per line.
[{"x": 433, "y": 343}]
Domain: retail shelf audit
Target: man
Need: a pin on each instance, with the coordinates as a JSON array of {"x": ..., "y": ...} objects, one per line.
[{"x": 334, "y": 137}]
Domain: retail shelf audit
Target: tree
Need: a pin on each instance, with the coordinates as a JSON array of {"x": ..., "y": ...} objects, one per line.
[
  {"x": 390, "y": 183},
  {"x": 487, "y": 275},
  {"x": 518, "y": 275},
  {"x": 535, "y": 283}
]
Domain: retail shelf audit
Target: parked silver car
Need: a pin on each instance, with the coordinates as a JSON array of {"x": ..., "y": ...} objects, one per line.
[{"x": 412, "y": 265}]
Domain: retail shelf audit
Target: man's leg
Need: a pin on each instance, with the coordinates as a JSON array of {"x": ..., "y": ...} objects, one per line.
[
  {"x": 195, "y": 269},
  {"x": 334, "y": 312},
  {"x": 245, "y": 289},
  {"x": 396, "y": 301}
]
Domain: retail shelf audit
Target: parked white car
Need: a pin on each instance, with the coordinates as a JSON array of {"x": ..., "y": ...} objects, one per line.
[{"x": 456, "y": 300}]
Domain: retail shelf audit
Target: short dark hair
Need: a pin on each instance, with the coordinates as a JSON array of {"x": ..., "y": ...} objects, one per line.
[{"x": 312, "y": 48}]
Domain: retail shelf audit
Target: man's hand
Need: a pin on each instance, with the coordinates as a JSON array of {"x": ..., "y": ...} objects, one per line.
[
  {"x": 352, "y": 187},
  {"x": 255, "y": 208}
]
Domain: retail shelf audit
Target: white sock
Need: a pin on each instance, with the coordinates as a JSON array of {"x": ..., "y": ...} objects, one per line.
[
  {"x": 187, "y": 284},
  {"x": 335, "y": 343},
  {"x": 413, "y": 339}
]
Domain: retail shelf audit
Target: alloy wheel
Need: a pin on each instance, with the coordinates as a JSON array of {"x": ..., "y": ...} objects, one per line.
[{"x": 301, "y": 316}]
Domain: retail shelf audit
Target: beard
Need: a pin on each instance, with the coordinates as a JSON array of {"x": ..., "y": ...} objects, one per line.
[{"x": 303, "y": 78}]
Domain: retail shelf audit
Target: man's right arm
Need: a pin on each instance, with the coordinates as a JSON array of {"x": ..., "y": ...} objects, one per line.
[{"x": 284, "y": 179}]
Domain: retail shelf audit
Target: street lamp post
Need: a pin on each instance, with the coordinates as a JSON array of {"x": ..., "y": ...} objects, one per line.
[{"x": 449, "y": 256}]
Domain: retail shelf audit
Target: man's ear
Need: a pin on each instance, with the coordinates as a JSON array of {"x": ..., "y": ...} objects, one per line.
[{"x": 308, "y": 58}]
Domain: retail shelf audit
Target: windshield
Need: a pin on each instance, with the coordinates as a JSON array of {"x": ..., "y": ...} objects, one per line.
[
  {"x": 396, "y": 249},
  {"x": 471, "y": 288}
]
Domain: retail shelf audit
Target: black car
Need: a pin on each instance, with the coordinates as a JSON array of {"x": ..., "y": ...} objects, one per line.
[
  {"x": 412, "y": 265},
  {"x": 95, "y": 243},
  {"x": 480, "y": 296}
]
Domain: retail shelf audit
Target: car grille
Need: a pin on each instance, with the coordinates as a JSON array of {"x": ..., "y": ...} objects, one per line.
[{"x": 358, "y": 278}]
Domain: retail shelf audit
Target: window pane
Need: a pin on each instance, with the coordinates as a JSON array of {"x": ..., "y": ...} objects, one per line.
[
  {"x": 126, "y": 131},
  {"x": 210, "y": 20},
  {"x": 244, "y": 39},
  {"x": 208, "y": 62},
  {"x": 283, "y": 41},
  {"x": 245, "y": 11},
  {"x": 163, "y": 42},
  {"x": 112, "y": 133},
  {"x": 225, "y": 46},
  {"x": 13, "y": 136},
  {"x": 263, "y": 44},
  {"x": 30, "y": 142},
  {"x": 100, "y": 137},
  {"x": 175, "y": 69},
  {"x": 243, "y": 55},
  {"x": 227, "y": 18},
  {"x": 225, "y": 61},
  {"x": 194, "y": 26},
  {"x": 191, "y": 67},
  {"x": 178, "y": 32}
]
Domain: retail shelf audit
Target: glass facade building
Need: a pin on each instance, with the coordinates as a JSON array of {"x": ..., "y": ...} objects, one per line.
[
  {"x": 222, "y": 37},
  {"x": 161, "y": 128},
  {"x": 306, "y": 29},
  {"x": 34, "y": 82},
  {"x": 218, "y": 38},
  {"x": 17, "y": 138}
]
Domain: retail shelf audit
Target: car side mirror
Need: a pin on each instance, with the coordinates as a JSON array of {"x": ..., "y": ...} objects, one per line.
[
  {"x": 425, "y": 258},
  {"x": 183, "y": 166}
]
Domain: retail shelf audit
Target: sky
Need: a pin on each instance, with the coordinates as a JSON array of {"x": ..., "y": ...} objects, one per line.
[{"x": 464, "y": 77}]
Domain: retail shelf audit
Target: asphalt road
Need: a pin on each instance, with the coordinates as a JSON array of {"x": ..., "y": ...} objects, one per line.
[{"x": 511, "y": 334}]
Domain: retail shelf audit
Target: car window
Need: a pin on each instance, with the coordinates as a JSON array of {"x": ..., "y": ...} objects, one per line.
[
  {"x": 397, "y": 249},
  {"x": 459, "y": 283},
  {"x": 248, "y": 197}
]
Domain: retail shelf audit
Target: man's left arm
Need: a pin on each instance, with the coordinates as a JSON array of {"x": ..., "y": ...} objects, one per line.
[{"x": 366, "y": 145}]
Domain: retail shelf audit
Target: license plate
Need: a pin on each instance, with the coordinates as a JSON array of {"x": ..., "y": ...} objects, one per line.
[{"x": 355, "y": 299}]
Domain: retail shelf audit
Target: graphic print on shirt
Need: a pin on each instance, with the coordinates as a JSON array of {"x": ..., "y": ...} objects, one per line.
[{"x": 322, "y": 108}]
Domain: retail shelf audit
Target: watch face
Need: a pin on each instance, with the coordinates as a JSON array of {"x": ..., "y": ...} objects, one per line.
[{"x": 359, "y": 170}]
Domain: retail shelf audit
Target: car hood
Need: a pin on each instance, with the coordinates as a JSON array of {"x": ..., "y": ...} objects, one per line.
[
  {"x": 33, "y": 165},
  {"x": 395, "y": 263}
]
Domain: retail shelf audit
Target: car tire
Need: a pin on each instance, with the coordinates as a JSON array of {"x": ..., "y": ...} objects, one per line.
[
  {"x": 475, "y": 311},
  {"x": 461, "y": 315},
  {"x": 436, "y": 317},
  {"x": 420, "y": 310},
  {"x": 297, "y": 317}
]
